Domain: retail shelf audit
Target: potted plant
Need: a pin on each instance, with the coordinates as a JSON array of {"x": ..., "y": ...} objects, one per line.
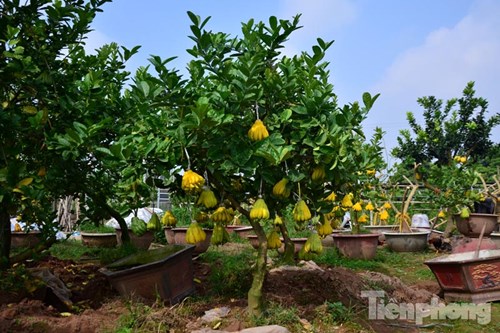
[
  {"x": 23, "y": 235},
  {"x": 358, "y": 200},
  {"x": 97, "y": 234},
  {"x": 405, "y": 239},
  {"x": 454, "y": 188}
]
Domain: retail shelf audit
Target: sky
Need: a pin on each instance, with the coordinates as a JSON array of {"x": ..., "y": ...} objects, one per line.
[{"x": 403, "y": 50}]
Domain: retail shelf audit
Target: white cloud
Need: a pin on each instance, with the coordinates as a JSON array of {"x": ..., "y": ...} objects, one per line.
[
  {"x": 95, "y": 39},
  {"x": 441, "y": 66}
]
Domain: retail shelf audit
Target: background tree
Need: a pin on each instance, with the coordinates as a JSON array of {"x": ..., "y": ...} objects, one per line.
[
  {"x": 445, "y": 152},
  {"x": 60, "y": 109}
]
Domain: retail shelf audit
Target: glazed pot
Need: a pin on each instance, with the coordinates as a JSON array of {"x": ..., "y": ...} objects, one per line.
[
  {"x": 94, "y": 239},
  {"x": 357, "y": 246},
  {"x": 407, "y": 241},
  {"x": 140, "y": 242},
  {"x": 166, "y": 272},
  {"x": 24, "y": 239},
  {"x": 472, "y": 226},
  {"x": 466, "y": 278}
]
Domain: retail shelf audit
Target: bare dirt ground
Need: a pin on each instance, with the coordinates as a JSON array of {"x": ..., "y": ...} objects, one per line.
[{"x": 97, "y": 308}]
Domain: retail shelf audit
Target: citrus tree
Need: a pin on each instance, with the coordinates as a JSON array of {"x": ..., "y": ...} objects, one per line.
[
  {"x": 61, "y": 111},
  {"x": 444, "y": 152},
  {"x": 258, "y": 129}
]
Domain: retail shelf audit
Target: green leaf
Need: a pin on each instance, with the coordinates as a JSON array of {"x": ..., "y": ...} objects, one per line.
[{"x": 116, "y": 150}]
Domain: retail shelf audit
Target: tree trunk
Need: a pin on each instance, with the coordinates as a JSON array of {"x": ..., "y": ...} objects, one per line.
[
  {"x": 288, "y": 255},
  {"x": 101, "y": 201},
  {"x": 4, "y": 237},
  {"x": 450, "y": 226},
  {"x": 255, "y": 299}
]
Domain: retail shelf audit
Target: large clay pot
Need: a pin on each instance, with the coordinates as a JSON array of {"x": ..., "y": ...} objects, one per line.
[
  {"x": 24, "y": 239},
  {"x": 243, "y": 232},
  {"x": 166, "y": 272},
  {"x": 169, "y": 235},
  {"x": 94, "y": 239},
  {"x": 407, "y": 241},
  {"x": 466, "y": 278},
  {"x": 200, "y": 247},
  {"x": 472, "y": 226},
  {"x": 357, "y": 246},
  {"x": 380, "y": 229},
  {"x": 140, "y": 242}
]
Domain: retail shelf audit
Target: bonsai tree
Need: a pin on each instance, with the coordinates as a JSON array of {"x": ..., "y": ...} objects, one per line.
[
  {"x": 260, "y": 130},
  {"x": 442, "y": 154}
]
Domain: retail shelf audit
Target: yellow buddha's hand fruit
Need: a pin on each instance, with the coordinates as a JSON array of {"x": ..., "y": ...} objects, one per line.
[
  {"x": 281, "y": 190},
  {"x": 325, "y": 228},
  {"x": 441, "y": 214},
  {"x": 220, "y": 235},
  {"x": 384, "y": 215},
  {"x": 168, "y": 219},
  {"x": 465, "y": 213},
  {"x": 331, "y": 197},
  {"x": 363, "y": 218},
  {"x": 207, "y": 198},
  {"x": 258, "y": 131},
  {"x": 318, "y": 173},
  {"x": 313, "y": 244},
  {"x": 192, "y": 182},
  {"x": 273, "y": 240},
  {"x": 347, "y": 201},
  {"x": 387, "y": 205},
  {"x": 277, "y": 220},
  {"x": 357, "y": 207},
  {"x": 369, "y": 206},
  {"x": 259, "y": 210},
  {"x": 222, "y": 215},
  {"x": 195, "y": 233},
  {"x": 301, "y": 212}
]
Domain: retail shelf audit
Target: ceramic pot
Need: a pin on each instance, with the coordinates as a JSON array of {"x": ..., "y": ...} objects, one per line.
[
  {"x": 407, "y": 241},
  {"x": 357, "y": 246},
  {"x": 140, "y": 242},
  {"x": 472, "y": 226},
  {"x": 166, "y": 272},
  {"x": 24, "y": 239},
  {"x": 93, "y": 239},
  {"x": 466, "y": 278}
]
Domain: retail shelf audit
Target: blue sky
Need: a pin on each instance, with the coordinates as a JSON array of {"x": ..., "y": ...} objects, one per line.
[{"x": 402, "y": 49}]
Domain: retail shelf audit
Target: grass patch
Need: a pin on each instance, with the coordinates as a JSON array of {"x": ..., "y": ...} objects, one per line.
[
  {"x": 76, "y": 251},
  {"x": 230, "y": 275}
]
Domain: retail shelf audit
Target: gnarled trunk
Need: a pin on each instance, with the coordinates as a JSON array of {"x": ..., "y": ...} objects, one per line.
[
  {"x": 4, "y": 237},
  {"x": 255, "y": 298}
]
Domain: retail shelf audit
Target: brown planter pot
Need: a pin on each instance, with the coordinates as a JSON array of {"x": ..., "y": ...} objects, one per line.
[
  {"x": 24, "y": 239},
  {"x": 169, "y": 235},
  {"x": 231, "y": 228},
  {"x": 200, "y": 247},
  {"x": 140, "y": 242},
  {"x": 472, "y": 226},
  {"x": 166, "y": 272},
  {"x": 464, "y": 278},
  {"x": 407, "y": 241},
  {"x": 380, "y": 229},
  {"x": 243, "y": 232},
  {"x": 357, "y": 246},
  {"x": 92, "y": 239}
]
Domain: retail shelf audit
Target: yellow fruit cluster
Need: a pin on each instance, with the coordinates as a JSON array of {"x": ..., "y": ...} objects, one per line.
[
  {"x": 281, "y": 190},
  {"x": 222, "y": 215},
  {"x": 220, "y": 235},
  {"x": 192, "y": 182},
  {"x": 313, "y": 244},
  {"x": 154, "y": 223},
  {"x": 277, "y": 220},
  {"x": 168, "y": 219},
  {"x": 259, "y": 210},
  {"x": 273, "y": 240},
  {"x": 195, "y": 233},
  {"x": 460, "y": 159},
  {"x": 258, "y": 131},
  {"x": 325, "y": 228},
  {"x": 207, "y": 198},
  {"x": 331, "y": 197},
  {"x": 318, "y": 173},
  {"x": 347, "y": 201},
  {"x": 301, "y": 212}
]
